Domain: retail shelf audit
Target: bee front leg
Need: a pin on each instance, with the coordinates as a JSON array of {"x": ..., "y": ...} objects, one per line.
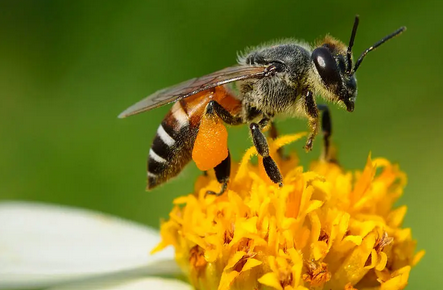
[
  {"x": 263, "y": 150},
  {"x": 312, "y": 114},
  {"x": 326, "y": 128}
]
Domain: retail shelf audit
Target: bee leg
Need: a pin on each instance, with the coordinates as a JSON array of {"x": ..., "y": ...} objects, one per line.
[
  {"x": 273, "y": 133},
  {"x": 326, "y": 128},
  {"x": 222, "y": 173},
  {"x": 263, "y": 149},
  {"x": 223, "y": 170},
  {"x": 215, "y": 108},
  {"x": 312, "y": 114}
]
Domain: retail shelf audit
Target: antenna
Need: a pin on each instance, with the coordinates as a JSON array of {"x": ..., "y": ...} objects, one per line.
[
  {"x": 351, "y": 44},
  {"x": 377, "y": 44}
]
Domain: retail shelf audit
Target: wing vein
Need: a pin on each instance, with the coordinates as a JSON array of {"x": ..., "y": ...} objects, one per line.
[{"x": 196, "y": 85}]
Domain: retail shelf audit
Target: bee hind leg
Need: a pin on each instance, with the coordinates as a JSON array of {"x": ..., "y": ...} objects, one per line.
[
  {"x": 215, "y": 108},
  {"x": 222, "y": 173},
  {"x": 262, "y": 147},
  {"x": 222, "y": 170}
]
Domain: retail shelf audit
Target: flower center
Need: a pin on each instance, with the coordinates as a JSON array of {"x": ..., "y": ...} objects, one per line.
[{"x": 325, "y": 228}]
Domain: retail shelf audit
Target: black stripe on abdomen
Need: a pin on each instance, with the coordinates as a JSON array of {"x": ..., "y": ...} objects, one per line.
[{"x": 171, "y": 150}]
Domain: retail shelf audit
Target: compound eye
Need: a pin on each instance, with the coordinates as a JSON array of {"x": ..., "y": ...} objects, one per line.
[{"x": 326, "y": 66}]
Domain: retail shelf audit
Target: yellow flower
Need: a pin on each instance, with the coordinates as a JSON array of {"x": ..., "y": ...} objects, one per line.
[{"x": 324, "y": 229}]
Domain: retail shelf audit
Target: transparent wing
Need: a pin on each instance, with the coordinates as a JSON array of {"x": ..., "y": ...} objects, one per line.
[{"x": 196, "y": 85}]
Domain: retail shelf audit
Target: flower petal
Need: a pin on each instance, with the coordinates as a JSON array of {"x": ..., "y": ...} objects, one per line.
[
  {"x": 133, "y": 284},
  {"x": 42, "y": 244}
]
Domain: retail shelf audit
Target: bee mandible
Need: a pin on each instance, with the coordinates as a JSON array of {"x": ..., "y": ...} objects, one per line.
[{"x": 268, "y": 81}]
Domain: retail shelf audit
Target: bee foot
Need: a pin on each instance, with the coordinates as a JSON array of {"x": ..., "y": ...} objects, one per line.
[
  {"x": 308, "y": 145},
  {"x": 224, "y": 186}
]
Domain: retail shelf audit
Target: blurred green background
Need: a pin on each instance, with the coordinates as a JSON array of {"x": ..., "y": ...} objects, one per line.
[{"x": 68, "y": 68}]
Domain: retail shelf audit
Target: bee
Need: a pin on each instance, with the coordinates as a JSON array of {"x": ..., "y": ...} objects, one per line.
[{"x": 268, "y": 81}]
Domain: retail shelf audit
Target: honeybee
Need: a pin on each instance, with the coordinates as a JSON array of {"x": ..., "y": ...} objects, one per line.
[{"x": 268, "y": 81}]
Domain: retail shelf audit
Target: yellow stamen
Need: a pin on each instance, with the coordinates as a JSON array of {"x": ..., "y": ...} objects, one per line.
[{"x": 324, "y": 229}]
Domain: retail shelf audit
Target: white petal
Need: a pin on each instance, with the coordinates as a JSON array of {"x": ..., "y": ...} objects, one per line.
[
  {"x": 149, "y": 283},
  {"x": 42, "y": 244}
]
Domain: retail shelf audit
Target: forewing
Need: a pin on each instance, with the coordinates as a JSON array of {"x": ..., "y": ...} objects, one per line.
[{"x": 196, "y": 85}]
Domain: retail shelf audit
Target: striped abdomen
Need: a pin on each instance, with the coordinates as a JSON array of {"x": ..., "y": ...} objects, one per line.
[{"x": 173, "y": 144}]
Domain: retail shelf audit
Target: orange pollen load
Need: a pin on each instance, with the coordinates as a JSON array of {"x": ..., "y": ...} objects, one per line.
[{"x": 211, "y": 144}]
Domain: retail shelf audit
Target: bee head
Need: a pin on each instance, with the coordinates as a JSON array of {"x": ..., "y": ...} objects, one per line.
[
  {"x": 333, "y": 62},
  {"x": 332, "y": 65}
]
